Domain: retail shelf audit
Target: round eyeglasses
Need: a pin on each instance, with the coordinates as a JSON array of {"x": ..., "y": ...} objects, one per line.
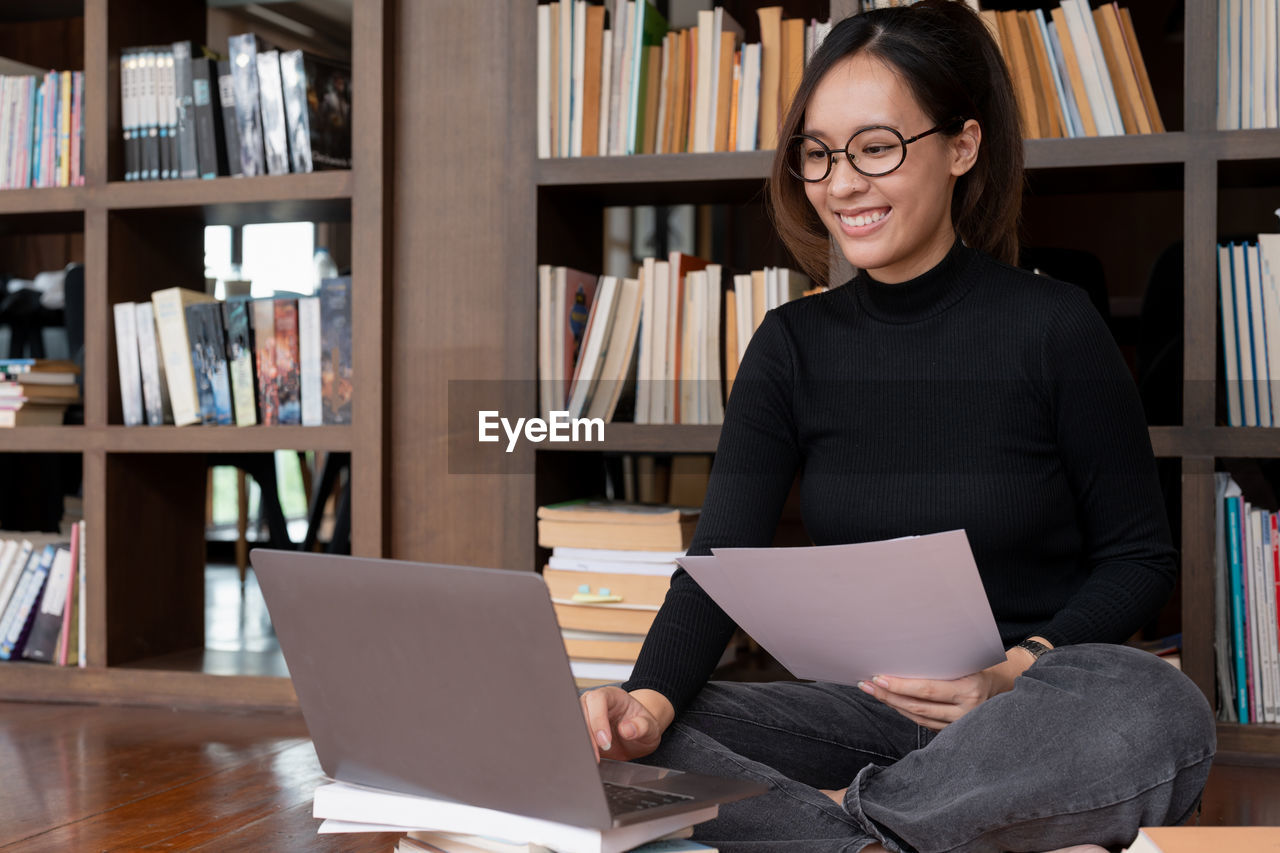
[{"x": 873, "y": 151}]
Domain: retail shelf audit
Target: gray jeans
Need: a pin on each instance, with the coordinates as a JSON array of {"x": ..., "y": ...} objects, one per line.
[{"x": 1093, "y": 742}]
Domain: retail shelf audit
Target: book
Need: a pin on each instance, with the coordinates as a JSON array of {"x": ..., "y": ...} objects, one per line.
[
  {"x": 46, "y": 623},
  {"x": 235, "y": 314},
  {"x": 210, "y": 136},
  {"x": 629, "y": 588},
  {"x": 1221, "y": 619},
  {"x": 263, "y": 317},
  {"x": 1199, "y": 839},
  {"x": 602, "y": 645},
  {"x": 169, "y": 306},
  {"x": 356, "y": 807},
  {"x": 613, "y": 618},
  {"x": 1235, "y": 580},
  {"x": 293, "y": 84},
  {"x": 18, "y": 555},
  {"x": 613, "y": 560},
  {"x": 155, "y": 390},
  {"x": 337, "y": 376},
  {"x": 328, "y": 112},
  {"x": 127, "y": 362},
  {"x": 275, "y": 132},
  {"x": 243, "y": 51},
  {"x": 230, "y": 122},
  {"x": 68, "y": 650},
  {"x": 15, "y": 624},
  {"x": 288, "y": 375},
  {"x": 188, "y": 163},
  {"x": 309, "y": 361}
]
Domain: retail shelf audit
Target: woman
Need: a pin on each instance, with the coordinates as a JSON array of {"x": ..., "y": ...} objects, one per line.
[{"x": 942, "y": 388}]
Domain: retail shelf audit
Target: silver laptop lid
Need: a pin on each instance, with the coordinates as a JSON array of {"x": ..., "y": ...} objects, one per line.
[{"x": 447, "y": 681}]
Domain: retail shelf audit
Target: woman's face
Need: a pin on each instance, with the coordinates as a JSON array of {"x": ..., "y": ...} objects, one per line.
[{"x": 896, "y": 226}]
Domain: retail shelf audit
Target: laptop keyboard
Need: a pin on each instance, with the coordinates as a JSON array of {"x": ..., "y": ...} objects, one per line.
[{"x": 624, "y": 799}]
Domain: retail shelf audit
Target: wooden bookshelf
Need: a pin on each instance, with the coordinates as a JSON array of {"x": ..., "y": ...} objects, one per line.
[{"x": 144, "y": 487}]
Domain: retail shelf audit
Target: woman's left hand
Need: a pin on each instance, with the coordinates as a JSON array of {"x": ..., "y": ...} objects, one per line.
[{"x": 935, "y": 703}]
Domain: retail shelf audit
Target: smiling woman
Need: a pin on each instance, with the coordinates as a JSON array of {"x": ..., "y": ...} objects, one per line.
[{"x": 940, "y": 389}]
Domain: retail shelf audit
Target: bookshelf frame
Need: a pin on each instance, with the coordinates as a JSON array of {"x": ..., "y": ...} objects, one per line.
[{"x": 139, "y": 621}]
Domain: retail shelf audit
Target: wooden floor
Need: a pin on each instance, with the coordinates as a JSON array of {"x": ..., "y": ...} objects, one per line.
[{"x": 81, "y": 778}]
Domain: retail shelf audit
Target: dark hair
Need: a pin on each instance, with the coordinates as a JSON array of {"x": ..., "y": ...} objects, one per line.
[{"x": 950, "y": 62}]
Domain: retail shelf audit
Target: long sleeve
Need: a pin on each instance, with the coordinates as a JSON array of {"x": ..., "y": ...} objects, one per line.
[
  {"x": 755, "y": 464},
  {"x": 1106, "y": 452}
]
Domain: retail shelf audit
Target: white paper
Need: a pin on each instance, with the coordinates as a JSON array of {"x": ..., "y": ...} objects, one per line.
[{"x": 912, "y": 607}]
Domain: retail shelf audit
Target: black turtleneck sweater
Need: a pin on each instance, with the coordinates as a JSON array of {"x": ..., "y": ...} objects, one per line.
[{"x": 976, "y": 396}]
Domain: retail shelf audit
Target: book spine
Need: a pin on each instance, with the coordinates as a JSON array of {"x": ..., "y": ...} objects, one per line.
[
  {"x": 309, "y": 361},
  {"x": 329, "y": 112},
  {"x": 264, "y": 344},
  {"x": 288, "y": 376},
  {"x": 1237, "y": 606},
  {"x": 185, "y": 104},
  {"x": 155, "y": 391},
  {"x": 128, "y": 363},
  {"x": 244, "y": 76},
  {"x": 240, "y": 362},
  {"x": 230, "y": 125},
  {"x": 336, "y": 373},
  {"x": 21, "y": 611},
  {"x": 293, "y": 83},
  {"x": 216, "y": 338},
  {"x": 175, "y": 350},
  {"x": 201, "y": 362},
  {"x": 207, "y": 124},
  {"x": 46, "y": 618},
  {"x": 275, "y": 136}
]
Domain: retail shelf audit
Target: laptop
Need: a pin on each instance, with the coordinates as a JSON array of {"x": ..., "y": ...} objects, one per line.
[{"x": 452, "y": 682}]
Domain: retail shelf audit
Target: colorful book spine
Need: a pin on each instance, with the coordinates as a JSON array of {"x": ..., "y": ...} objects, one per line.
[
  {"x": 288, "y": 374},
  {"x": 1234, "y": 543}
]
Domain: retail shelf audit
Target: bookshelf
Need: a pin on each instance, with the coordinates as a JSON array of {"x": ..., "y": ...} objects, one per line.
[
  {"x": 1194, "y": 164},
  {"x": 144, "y": 490}
]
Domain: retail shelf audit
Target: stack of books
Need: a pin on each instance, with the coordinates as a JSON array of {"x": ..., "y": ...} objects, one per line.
[
  {"x": 1249, "y": 290},
  {"x": 608, "y": 574},
  {"x": 630, "y": 86},
  {"x": 1076, "y": 71},
  {"x": 256, "y": 112},
  {"x": 186, "y": 358},
  {"x": 1248, "y": 80},
  {"x": 42, "y": 133},
  {"x": 36, "y": 391},
  {"x": 1247, "y": 580},
  {"x": 42, "y": 597},
  {"x": 455, "y": 827},
  {"x": 663, "y": 348}
]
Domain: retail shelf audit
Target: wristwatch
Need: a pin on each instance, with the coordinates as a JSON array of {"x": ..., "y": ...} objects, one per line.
[{"x": 1036, "y": 647}]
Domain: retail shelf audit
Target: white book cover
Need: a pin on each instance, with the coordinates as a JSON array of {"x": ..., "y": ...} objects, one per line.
[
  {"x": 595, "y": 669},
  {"x": 1244, "y": 334},
  {"x": 1231, "y": 351},
  {"x": 345, "y": 802},
  {"x": 8, "y": 559},
  {"x": 644, "y": 359},
  {"x": 704, "y": 112},
  {"x": 1244, "y": 43},
  {"x": 544, "y": 80},
  {"x": 1235, "y": 60},
  {"x": 599, "y": 328},
  {"x": 622, "y": 55},
  {"x": 275, "y": 127},
  {"x": 309, "y": 361},
  {"x": 1092, "y": 70},
  {"x": 1257, "y": 316},
  {"x": 1271, "y": 81},
  {"x": 579, "y": 77},
  {"x": 611, "y": 566},
  {"x": 1100, "y": 60},
  {"x": 684, "y": 383},
  {"x": 155, "y": 390},
  {"x": 565, "y": 79},
  {"x": 1224, "y": 67},
  {"x": 1254, "y": 532},
  {"x": 618, "y": 352},
  {"x": 82, "y": 602},
  {"x": 606, "y": 101},
  {"x": 127, "y": 363},
  {"x": 1270, "y": 658},
  {"x": 1257, "y": 56}
]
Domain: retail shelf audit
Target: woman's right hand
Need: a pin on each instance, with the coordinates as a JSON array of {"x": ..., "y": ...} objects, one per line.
[{"x": 622, "y": 726}]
